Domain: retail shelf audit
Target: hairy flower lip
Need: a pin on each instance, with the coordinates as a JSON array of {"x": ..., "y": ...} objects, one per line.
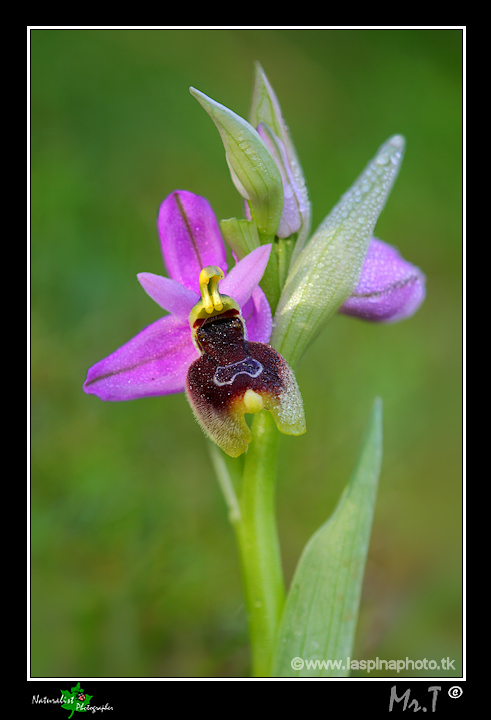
[
  {"x": 155, "y": 361},
  {"x": 233, "y": 377}
]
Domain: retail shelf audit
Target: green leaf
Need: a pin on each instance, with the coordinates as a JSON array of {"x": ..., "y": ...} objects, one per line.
[
  {"x": 252, "y": 167},
  {"x": 72, "y": 702},
  {"x": 321, "y": 611},
  {"x": 326, "y": 272}
]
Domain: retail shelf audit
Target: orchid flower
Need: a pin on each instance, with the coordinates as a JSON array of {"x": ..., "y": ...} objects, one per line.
[{"x": 158, "y": 359}]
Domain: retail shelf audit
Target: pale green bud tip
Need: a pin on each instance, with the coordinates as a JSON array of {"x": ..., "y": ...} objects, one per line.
[
  {"x": 391, "y": 151},
  {"x": 398, "y": 141}
]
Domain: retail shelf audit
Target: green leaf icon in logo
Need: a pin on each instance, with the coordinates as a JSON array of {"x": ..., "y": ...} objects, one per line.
[{"x": 75, "y": 700}]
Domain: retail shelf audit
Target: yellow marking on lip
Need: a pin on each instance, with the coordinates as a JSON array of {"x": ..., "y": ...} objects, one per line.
[{"x": 253, "y": 402}]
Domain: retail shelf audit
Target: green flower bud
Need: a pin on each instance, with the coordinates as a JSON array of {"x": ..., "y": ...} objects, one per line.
[
  {"x": 266, "y": 110},
  {"x": 252, "y": 167}
]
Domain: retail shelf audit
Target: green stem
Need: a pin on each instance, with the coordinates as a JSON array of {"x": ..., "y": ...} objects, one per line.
[
  {"x": 253, "y": 518},
  {"x": 258, "y": 543}
]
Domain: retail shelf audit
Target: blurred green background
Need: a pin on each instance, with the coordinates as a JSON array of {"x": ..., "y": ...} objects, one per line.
[{"x": 134, "y": 569}]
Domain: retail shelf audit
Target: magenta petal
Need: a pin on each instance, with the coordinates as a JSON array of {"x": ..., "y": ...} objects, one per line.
[
  {"x": 245, "y": 276},
  {"x": 389, "y": 289},
  {"x": 190, "y": 237},
  {"x": 154, "y": 362},
  {"x": 169, "y": 294},
  {"x": 257, "y": 315}
]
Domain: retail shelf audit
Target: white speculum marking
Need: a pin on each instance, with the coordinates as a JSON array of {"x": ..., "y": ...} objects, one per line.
[{"x": 225, "y": 375}]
